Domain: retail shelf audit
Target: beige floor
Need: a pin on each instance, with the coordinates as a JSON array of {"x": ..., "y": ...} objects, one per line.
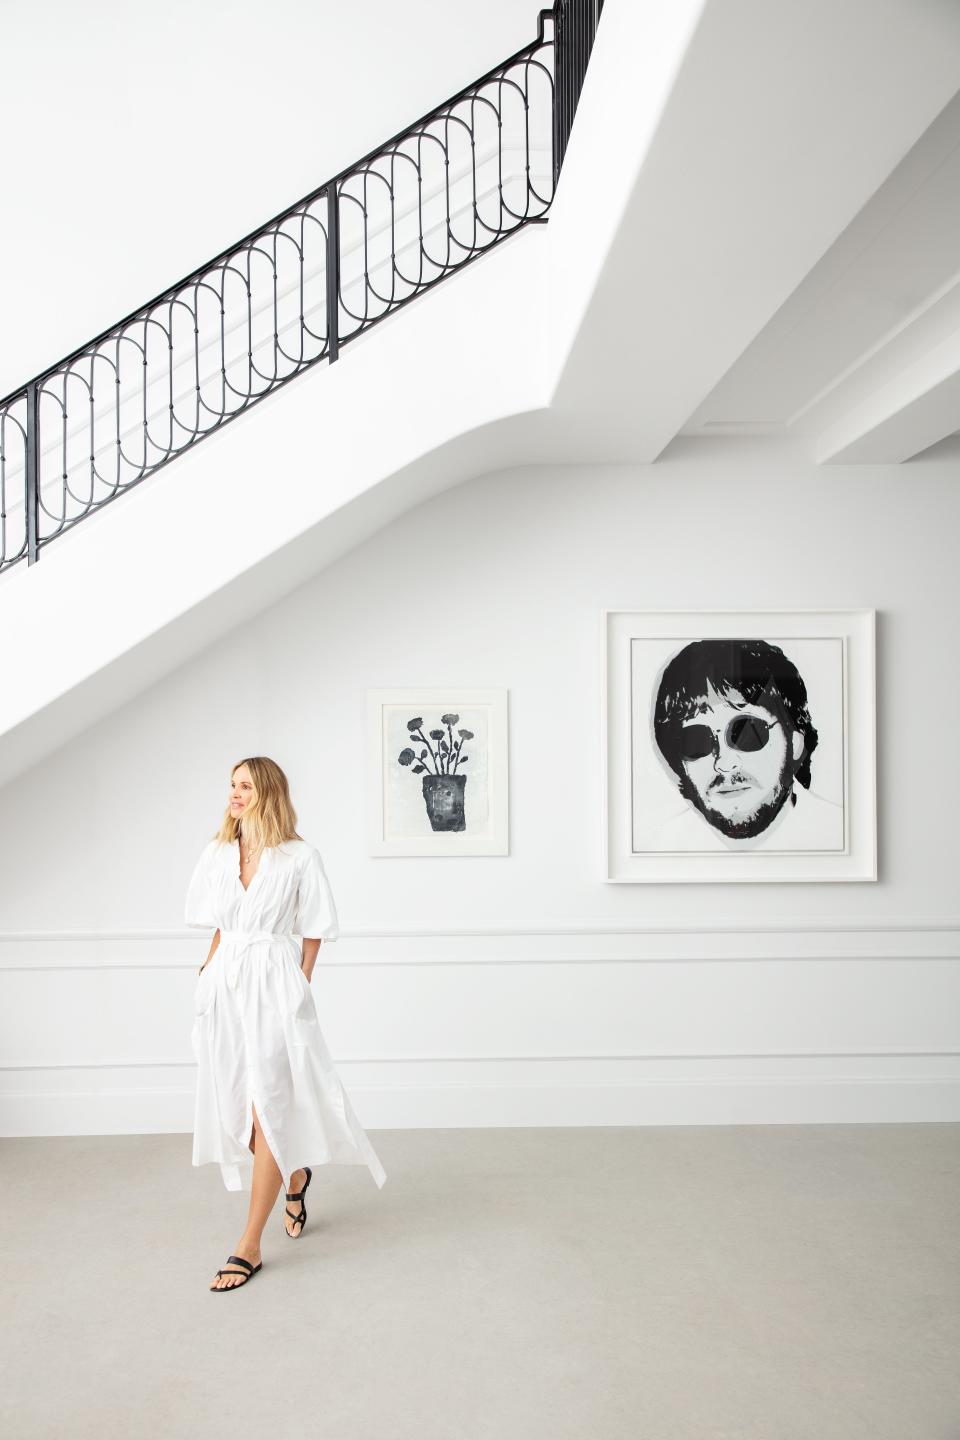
[{"x": 746, "y": 1283}]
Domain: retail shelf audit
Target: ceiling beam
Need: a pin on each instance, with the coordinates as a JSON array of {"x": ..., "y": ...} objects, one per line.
[
  {"x": 900, "y": 399},
  {"x": 782, "y": 122}
]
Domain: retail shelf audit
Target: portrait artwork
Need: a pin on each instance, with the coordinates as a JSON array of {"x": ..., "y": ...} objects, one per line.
[
  {"x": 738, "y": 745},
  {"x": 733, "y": 725}
]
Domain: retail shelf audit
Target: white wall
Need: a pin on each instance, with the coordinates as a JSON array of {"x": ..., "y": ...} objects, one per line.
[
  {"x": 143, "y": 139},
  {"x": 531, "y": 992}
]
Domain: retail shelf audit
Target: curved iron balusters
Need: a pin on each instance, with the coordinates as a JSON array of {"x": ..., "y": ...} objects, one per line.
[{"x": 433, "y": 198}]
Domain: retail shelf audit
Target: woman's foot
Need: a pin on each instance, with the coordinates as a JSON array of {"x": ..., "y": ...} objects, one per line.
[
  {"x": 246, "y": 1252},
  {"x": 297, "y": 1181}
]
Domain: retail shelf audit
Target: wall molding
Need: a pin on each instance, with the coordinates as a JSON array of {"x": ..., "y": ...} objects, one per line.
[
  {"x": 576, "y": 944},
  {"x": 668, "y": 1055},
  {"x": 549, "y": 1093},
  {"x": 844, "y": 927}
]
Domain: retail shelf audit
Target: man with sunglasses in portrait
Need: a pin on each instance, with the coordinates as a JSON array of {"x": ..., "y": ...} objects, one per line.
[{"x": 732, "y": 722}]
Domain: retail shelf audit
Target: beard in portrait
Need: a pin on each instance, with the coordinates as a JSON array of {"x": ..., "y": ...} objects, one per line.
[{"x": 732, "y": 723}]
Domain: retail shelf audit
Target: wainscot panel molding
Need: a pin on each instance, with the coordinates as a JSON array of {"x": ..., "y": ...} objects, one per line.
[{"x": 634, "y": 1025}]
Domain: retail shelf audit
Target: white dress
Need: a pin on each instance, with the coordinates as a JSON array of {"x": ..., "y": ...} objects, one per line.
[{"x": 256, "y": 1035}]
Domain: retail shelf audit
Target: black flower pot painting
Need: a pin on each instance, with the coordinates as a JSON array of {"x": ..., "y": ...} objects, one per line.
[
  {"x": 438, "y": 782},
  {"x": 443, "y": 797},
  {"x": 437, "y": 755}
]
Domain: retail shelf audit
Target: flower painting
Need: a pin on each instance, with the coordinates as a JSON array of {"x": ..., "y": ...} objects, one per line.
[
  {"x": 439, "y": 772},
  {"x": 443, "y": 789}
]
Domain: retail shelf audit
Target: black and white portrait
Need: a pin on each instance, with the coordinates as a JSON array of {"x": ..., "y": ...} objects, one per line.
[
  {"x": 733, "y": 726},
  {"x": 739, "y": 745}
]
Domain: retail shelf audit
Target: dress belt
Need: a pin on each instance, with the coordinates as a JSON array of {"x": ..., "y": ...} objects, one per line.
[
  {"x": 241, "y": 942},
  {"x": 253, "y": 935}
]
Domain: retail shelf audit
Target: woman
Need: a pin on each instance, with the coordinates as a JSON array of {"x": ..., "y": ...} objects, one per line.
[{"x": 267, "y": 1086}]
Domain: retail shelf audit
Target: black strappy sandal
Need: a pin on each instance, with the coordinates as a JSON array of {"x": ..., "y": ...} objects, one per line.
[
  {"x": 240, "y": 1283},
  {"x": 301, "y": 1214}
]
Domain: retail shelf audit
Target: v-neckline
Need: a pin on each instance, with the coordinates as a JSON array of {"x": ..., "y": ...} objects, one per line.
[{"x": 255, "y": 876}]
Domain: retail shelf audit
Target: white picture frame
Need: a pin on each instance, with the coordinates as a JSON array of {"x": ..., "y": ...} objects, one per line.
[
  {"x": 414, "y": 808},
  {"x": 828, "y": 836}
]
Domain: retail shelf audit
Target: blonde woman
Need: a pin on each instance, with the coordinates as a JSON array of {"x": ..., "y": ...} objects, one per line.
[{"x": 269, "y": 1103}]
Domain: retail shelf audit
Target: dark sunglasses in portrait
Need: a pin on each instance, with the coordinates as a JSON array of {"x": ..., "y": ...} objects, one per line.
[{"x": 744, "y": 733}]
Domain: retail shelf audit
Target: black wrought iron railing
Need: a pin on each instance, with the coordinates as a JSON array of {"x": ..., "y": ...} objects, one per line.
[{"x": 367, "y": 242}]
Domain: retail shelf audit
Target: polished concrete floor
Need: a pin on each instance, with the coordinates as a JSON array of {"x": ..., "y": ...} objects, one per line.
[{"x": 744, "y": 1283}]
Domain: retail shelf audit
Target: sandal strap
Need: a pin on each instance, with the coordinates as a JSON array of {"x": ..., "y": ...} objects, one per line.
[
  {"x": 240, "y": 1261},
  {"x": 300, "y": 1193}
]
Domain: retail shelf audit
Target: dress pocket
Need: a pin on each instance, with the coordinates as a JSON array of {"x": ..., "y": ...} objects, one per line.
[{"x": 298, "y": 995}]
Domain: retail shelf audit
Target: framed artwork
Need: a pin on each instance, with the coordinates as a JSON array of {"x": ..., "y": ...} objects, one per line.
[
  {"x": 438, "y": 768},
  {"x": 739, "y": 745}
]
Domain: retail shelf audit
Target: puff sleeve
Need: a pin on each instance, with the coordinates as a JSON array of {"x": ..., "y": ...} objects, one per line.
[
  {"x": 316, "y": 917},
  {"x": 198, "y": 909}
]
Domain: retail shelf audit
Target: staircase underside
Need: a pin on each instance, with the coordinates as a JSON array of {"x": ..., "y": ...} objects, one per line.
[{"x": 694, "y": 200}]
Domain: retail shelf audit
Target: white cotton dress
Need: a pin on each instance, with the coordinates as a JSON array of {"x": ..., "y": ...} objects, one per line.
[{"x": 256, "y": 1035}]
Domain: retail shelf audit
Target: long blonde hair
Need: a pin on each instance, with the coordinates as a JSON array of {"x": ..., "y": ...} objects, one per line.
[{"x": 271, "y": 818}]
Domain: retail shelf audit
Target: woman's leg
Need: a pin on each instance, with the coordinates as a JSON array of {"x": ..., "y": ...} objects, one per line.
[
  {"x": 263, "y": 1196},
  {"x": 297, "y": 1181}
]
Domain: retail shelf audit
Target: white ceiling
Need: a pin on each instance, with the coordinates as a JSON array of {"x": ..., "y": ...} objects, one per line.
[
  {"x": 862, "y": 358},
  {"x": 787, "y": 262}
]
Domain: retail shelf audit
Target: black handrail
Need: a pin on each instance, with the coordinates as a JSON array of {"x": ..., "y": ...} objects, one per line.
[{"x": 295, "y": 291}]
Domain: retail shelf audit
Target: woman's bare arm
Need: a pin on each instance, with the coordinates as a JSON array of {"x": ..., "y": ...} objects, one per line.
[
  {"x": 309, "y": 959},
  {"x": 213, "y": 946}
]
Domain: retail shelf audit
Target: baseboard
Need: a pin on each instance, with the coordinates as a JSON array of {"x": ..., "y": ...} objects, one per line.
[{"x": 548, "y": 1092}]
